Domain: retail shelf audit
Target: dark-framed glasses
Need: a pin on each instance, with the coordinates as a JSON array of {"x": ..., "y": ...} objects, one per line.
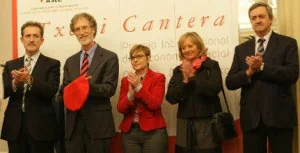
[
  {"x": 137, "y": 57},
  {"x": 83, "y": 29}
]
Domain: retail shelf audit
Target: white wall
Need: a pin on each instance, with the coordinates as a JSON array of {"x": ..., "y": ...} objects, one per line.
[{"x": 5, "y": 51}]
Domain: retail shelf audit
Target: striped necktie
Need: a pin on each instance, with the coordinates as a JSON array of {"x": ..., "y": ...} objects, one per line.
[
  {"x": 85, "y": 64},
  {"x": 260, "y": 49}
]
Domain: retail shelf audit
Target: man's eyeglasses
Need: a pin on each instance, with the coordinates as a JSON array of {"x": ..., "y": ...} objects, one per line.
[
  {"x": 138, "y": 57},
  {"x": 83, "y": 29}
]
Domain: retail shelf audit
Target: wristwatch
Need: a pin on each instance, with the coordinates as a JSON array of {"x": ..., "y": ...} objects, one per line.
[
  {"x": 262, "y": 67},
  {"x": 30, "y": 80}
]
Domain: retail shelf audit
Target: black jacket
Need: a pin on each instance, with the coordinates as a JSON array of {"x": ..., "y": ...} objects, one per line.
[
  {"x": 41, "y": 119},
  {"x": 268, "y": 94},
  {"x": 198, "y": 98}
]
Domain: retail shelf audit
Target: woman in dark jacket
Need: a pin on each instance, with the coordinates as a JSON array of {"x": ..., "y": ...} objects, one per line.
[{"x": 194, "y": 86}]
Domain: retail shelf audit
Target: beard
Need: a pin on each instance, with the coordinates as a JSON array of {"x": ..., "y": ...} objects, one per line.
[{"x": 85, "y": 40}]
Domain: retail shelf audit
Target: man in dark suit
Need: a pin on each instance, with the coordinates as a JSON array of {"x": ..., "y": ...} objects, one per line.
[
  {"x": 30, "y": 82},
  {"x": 265, "y": 67},
  {"x": 91, "y": 128}
]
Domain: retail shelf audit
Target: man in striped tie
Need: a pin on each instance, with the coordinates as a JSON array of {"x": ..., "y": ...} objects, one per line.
[
  {"x": 91, "y": 128},
  {"x": 265, "y": 68}
]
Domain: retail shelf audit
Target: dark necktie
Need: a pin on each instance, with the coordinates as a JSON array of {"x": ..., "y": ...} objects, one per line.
[
  {"x": 260, "y": 49},
  {"x": 85, "y": 64},
  {"x": 28, "y": 66}
]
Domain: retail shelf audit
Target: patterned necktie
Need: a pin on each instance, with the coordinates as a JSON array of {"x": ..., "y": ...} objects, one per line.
[
  {"x": 85, "y": 64},
  {"x": 260, "y": 49},
  {"x": 28, "y": 66}
]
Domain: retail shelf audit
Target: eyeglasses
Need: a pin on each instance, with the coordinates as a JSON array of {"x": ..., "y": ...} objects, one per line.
[
  {"x": 28, "y": 37},
  {"x": 83, "y": 29},
  {"x": 137, "y": 57}
]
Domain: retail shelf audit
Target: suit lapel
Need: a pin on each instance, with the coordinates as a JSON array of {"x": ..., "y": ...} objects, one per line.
[
  {"x": 38, "y": 65},
  {"x": 147, "y": 77},
  {"x": 96, "y": 60},
  {"x": 250, "y": 48},
  {"x": 20, "y": 62},
  {"x": 271, "y": 47},
  {"x": 19, "y": 65},
  {"x": 75, "y": 65}
]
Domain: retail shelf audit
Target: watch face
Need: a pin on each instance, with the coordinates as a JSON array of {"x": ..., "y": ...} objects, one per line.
[
  {"x": 30, "y": 80},
  {"x": 262, "y": 66}
]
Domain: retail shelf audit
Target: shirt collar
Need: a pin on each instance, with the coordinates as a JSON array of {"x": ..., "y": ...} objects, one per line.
[
  {"x": 144, "y": 75},
  {"x": 34, "y": 57},
  {"x": 89, "y": 52},
  {"x": 266, "y": 37}
]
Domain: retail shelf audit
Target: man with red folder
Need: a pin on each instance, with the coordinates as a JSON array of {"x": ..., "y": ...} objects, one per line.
[{"x": 90, "y": 80}]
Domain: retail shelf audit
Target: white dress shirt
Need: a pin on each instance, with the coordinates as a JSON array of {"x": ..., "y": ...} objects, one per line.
[{"x": 266, "y": 37}]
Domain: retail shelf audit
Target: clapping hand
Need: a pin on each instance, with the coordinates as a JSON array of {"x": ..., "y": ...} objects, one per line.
[
  {"x": 187, "y": 70},
  {"x": 254, "y": 63},
  {"x": 20, "y": 76},
  {"x": 134, "y": 79}
]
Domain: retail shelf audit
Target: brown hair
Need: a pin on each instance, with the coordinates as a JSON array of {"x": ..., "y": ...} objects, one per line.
[
  {"x": 87, "y": 16},
  {"x": 258, "y": 4},
  {"x": 32, "y": 24}
]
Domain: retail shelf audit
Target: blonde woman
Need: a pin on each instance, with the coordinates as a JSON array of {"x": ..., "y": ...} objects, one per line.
[{"x": 194, "y": 86}]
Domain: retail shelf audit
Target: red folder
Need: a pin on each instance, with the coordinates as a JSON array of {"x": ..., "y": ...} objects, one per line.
[{"x": 76, "y": 93}]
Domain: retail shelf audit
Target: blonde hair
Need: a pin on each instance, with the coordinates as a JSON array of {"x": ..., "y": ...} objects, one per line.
[{"x": 195, "y": 38}]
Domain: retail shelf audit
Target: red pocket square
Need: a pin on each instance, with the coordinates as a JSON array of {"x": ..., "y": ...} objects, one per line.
[{"x": 76, "y": 93}]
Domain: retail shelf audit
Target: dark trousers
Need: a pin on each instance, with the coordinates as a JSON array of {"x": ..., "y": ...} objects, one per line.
[
  {"x": 81, "y": 142},
  {"x": 26, "y": 144},
  {"x": 280, "y": 139},
  {"x": 137, "y": 141},
  {"x": 195, "y": 136}
]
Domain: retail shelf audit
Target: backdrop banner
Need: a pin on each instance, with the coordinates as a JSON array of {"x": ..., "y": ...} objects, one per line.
[{"x": 122, "y": 23}]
